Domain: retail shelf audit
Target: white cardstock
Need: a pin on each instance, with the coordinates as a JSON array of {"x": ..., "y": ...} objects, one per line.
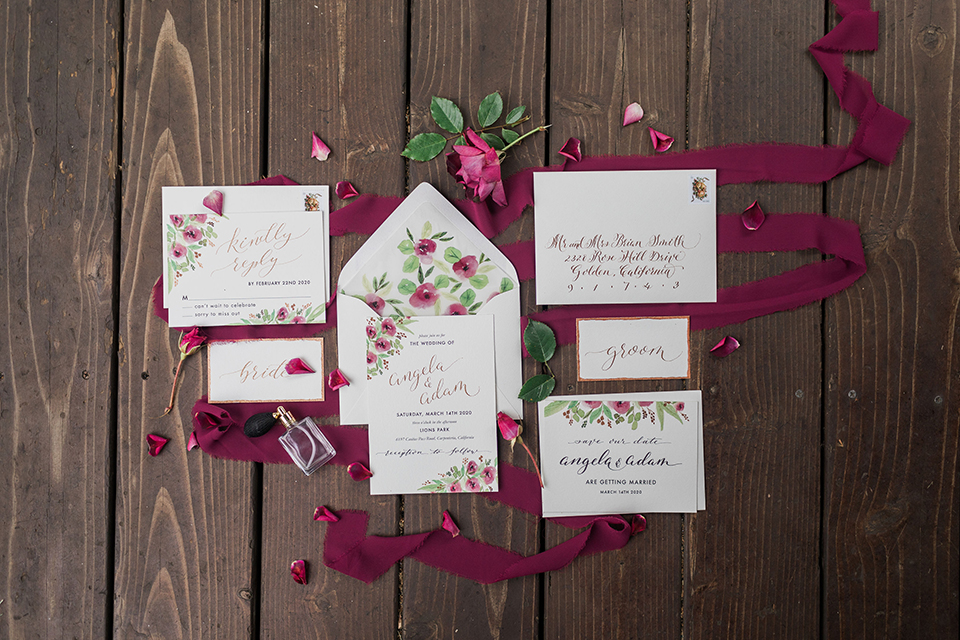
[
  {"x": 432, "y": 404},
  {"x": 625, "y": 236},
  {"x": 633, "y": 348},
  {"x": 264, "y": 261},
  {"x": 622, "y": 453},
  {"x": 255, "y": 370}
]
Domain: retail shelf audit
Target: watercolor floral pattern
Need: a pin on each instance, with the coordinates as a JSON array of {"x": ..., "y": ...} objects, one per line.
[
  {"x": 616, "y": 412},
  {"x": 185, "y": 235},
  {"x": 473, "y": 476},
  {"x": 385, "y": 338},
  {"x": 434, "y": 278},
  {"x": 287, "y": 314}
]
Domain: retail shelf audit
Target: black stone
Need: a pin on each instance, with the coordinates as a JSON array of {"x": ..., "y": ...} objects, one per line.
[{"x": 258, "y": 424}]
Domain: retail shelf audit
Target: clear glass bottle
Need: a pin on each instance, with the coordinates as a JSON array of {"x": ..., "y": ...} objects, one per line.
[{"x": 307, "y": 446}]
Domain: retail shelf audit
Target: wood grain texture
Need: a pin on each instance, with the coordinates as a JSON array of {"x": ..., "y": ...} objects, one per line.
[
  {"x": 751, "y": 560},
  {"x": 336, "y": 68},
  {"x": 606, "y": 55},
  {"x": 58, "y": 128},
  {"x": 464, "y": 51},
  {"x": 891, "y": 530},
  {"x": 184, "y": 526}
]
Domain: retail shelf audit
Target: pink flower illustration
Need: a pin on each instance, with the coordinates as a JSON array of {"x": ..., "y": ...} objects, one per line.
[
  {"x": 593, "y": 404},
  {"x": 472, "y": 467},
  {"x": 466, "y": 267},
  {"x": 424, "y": 250},
  {"x": 282, "y": 314},
  {"x": 389, "y": 327},
  {"x": 191, "y": 234},
  {"x": 371, "y": 357},
  {"x": 371, "y": 332},
  {"x": 620, "y": 406},
  {"x": 489, "y": 475},
  {"x": 456, "y": 309},
  {"x": 455, "y": 488},
  {"x": 199, "y": 218},
  {"x": 476, "y": 165},
  {"x": 382, "y": 344},
  {"x": 178, "y": 251},
  {"x": 425, "y": 296},
  {"x": 176, "y": 220},
  {"x": 680, "y": 406},
  {"x": 374, "y": 301},
  {"x": 474, "y": 485},
  {"x": 298, "y": 320}
]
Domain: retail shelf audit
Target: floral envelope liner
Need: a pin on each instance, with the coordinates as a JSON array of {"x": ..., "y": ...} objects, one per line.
[{"x": 429, "y": 272}]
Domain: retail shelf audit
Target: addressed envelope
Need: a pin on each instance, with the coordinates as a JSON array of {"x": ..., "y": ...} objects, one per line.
[{"x": 427, "y": 259}]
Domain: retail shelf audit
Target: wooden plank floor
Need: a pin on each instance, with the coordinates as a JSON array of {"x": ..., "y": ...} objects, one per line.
[{"x": 831, "y": 436}]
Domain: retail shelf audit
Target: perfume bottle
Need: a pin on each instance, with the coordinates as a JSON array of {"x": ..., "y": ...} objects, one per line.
[{"x": 303, "y": 440}]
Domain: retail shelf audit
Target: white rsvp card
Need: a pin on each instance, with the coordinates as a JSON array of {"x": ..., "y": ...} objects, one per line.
[
  {"x": 256, "y": 370},
  {"x": 625, "y": 236},
  {"x": 432, "y": 404},
  {"x": 264, "y": 261},
  {"x": 622, "y": 453},
  {"x": 633, "y": 348}
]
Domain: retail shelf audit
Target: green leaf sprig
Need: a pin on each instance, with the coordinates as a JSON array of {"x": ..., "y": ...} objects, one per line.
[
  {"x": 541, "y": 344},
  {"x": 447, "y": 115}
]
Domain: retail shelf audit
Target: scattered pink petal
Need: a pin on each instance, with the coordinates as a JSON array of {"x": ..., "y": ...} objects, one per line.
[
  {"x": 571, "y": 149},
  {"x": 450, "y": 525},
  {"x": 637, "y": 524},
  {"x": 633, "y": 113},
  {"x": 358, "y": 471},
  {"x": 193, "y": 443},
  {"x": 661, "y": 141},
  {"x": 725, "y": 347},
  {"x": 336, "y": 380},
  {"x": 297, "y": 366},
  {"x": 156, "y": 443},
  {"x": 325, "y": 515},
  {"x": 346, "y": 190},
  {"x": 320, "y": 149},
  {"x": 298, "y": 569},
  {"x": 214, "y": 202},
  {"x": 509, "y": 428},
  {"x": 753, "y": 216}
]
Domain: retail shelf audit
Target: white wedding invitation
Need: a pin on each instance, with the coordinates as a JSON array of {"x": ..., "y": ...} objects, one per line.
[
  {"x": 256, "y": 370},
  {"x": 625, "y": 236},
  {"x": 633, "y": 348},
  {"x": 622, "y": 453},
  {"x": 431, "y": 404},
  {"x": 264, "y": 261}
]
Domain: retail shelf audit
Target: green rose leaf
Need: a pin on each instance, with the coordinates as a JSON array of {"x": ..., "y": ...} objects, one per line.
[
  {"x": 451, "y": 255},
  {"x": 594, "y": 414},
  {"x": 427, "y": 230},
  {"x": 425, "y": 146},
  {"x": 659, "y": 406},
  {"x": 506, "y": 285},
  {"x": 459, "y": 142},
  {"x": 479, "y": 281},
  {"x": 537, "y": 388},
  {"x": 406, "y": 247},
  {"x": 446, "y": 114},
  {"x": 671, "y": 410},
  {"x": 441, "y": 281},
  {"x": 467, "y": 297},
  {"x": 490, "y": 109},
  {"x": 509, "y": 135},
  {"x": 554, "y": 407},
  {"x": 540, "y": 341},
  {"x": 493, "y": 140},
  {"x": 515, "y": 114},
  {"x": 411, "y": 264},
  {"x": 406, "y": 287}
]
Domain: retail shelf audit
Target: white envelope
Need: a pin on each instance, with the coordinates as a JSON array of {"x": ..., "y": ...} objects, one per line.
[{"x": 397, "y": 250}]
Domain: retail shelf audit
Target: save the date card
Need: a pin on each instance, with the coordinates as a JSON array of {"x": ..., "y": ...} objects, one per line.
[
  {"x": 625, "y": 236},
  {"x": 262, "y": 259},
  {"x": 622, "y": 453},
  {"x": 432, "y": 404}
]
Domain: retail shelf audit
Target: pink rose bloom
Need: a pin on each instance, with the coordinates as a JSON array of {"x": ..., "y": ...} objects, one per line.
[
  {"x": 282, "y": 314},
  {"x": 191, "y": 234},
  {"x": 489, "y": 475},
  {"x": 456, "y": 309},
  {"x": 371, "y": 332},
  {"x": 466, "y": 267},
  {"x": 456, "y": 488},
  {"x": 593, "y": 404},
  {"x": 374, "y": 301},
  {"x": 371, "y": 357},
  {"x": 176, "y": 220},
  {"x": 680, "y": 406},
  {"x": 474, "y": 485},
  {"x": 477, "y": 166},
  {"x": 199, "y": 218},
  {"x": 620, "y": 406},
  {"x": 382, "y": 344},
  {"x": 425, "y": 296},
  {"x": 472, "y": 467},
  {"x": 388, "y": 327},
  {"x": 493, "y": 295},
  {"x": 424, "y": 250},
  {"x": 299, "y": 320},
  {"x": 178, "y": 251},
  {"x": 644, "y": 404}
]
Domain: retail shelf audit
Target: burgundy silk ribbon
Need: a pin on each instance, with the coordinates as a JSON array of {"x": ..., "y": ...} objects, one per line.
[{"x": 349, "y": 549}]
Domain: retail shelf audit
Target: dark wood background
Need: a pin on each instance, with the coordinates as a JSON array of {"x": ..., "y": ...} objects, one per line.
[{"x": 831, "y": 436}]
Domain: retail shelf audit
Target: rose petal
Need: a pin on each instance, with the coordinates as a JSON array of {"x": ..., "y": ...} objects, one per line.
[
  {"x": 320, "y": 149},
  {"x": 450, "y": 525},
  {"x": 633, "y": 113},
  {"x": 753, "y": 216},
  {"x": 661, "y": 141},
  {"x": 298, "y": 569},
  {"x": 156, "y": 443},
  {"x": 323, "y": 514},
  {"x": 193, "y": 443},
  {"x": 345, "y": 190},
  {"x": 725, "y": 347},
  {"x": 214, "y": 202},
  {"x": 297, "y": 366},
  {"x": 358, "y": 471},
  {"x": 336, "y": 380},
  {"x": 637, "y": 524},
  {"x": 509, "y": 428},
  {"x": 571, "y": 149}
]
